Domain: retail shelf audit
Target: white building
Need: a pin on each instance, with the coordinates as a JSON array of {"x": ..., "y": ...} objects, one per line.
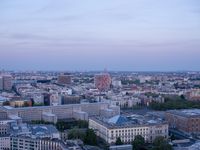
[
  {"x": 127, "y": 128},
  {"x": 116, "y": 83},
  {"x": 4, "y": 142}
]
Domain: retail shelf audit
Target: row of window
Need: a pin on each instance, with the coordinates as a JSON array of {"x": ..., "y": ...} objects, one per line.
[{"x": 130, "y": 130}]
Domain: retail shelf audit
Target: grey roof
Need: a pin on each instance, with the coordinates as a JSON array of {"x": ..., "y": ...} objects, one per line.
[
  {"x": 118, "y": 120},
  {"x": 186, "y": 112}
]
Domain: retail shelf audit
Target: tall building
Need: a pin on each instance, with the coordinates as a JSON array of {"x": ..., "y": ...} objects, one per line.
[
  {"x": 64, "y": 79},
  {"x": 7, "y": 82},
  {"x": 1, "y": 83},
  {"x": 102, "y": 81}
]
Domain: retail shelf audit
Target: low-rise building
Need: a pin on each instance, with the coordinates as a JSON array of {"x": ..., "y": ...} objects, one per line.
[
  {"x": 127, "y": 128},
  {"x": 187, "y": 121}
]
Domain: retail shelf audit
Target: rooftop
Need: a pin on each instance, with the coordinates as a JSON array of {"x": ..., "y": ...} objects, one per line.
[
  {"x": 186, "y": 112},
  {"x": 121, "y": 121}
]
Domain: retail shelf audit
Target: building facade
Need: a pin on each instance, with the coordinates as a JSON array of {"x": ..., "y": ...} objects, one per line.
[
  {"x": 128, "y": 130},
  {"x": 187, "y": 121},
  {"x": 60, "y": 111},
  {"x": 7, "y": 82}
]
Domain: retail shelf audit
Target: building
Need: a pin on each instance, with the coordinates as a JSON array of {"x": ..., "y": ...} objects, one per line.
[
  {"x": 60, "y": 111},
  {"x": 55, "y": 99},
  {"x": 20, "y": 103},
  {"x": 102, "y": 81},
  {"x": 70, "y": 99},
  {"x": 127, "y": 128},
  {"x": 121, "y": 147},
  {"x": 4, "y": 127},
  {"x": 3, "y": 100},
  {"x": 4, "y": 134},
  {"x": 116, "y": 83},
  {"x": 64, "y": 79},
  {"x": 7, "y": 82},
  {"x": 41, "y": 137},
  {"x": 23, "y": 136},
  {"x": 1, "y": 83},
  {"x": 187, "y": 121},
  {"x": 5, "y": 142},
  {"x": 38, "y": 98},
  {"x": 194, "y": 95}
]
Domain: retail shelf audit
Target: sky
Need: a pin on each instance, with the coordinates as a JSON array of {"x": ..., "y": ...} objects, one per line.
[{"x": 84, "y": 35}]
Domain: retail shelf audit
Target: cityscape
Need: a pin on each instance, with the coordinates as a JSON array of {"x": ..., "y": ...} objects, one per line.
[
  {"x": 100, "y": 75},
  {"x": 99, "y": 110}
]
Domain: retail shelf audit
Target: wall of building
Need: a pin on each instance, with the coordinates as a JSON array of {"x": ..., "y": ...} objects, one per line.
[{"x": 127, "y": 134}]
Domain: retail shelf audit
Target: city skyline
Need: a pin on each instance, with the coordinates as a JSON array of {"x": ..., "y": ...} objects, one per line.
[{"x": 137, "y": 35}]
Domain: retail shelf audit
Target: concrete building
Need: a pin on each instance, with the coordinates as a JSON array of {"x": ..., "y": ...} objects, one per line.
[
  {"x": 187, "y": 121},
  {"x": 1, "y": 83},
  {"x": 127, "y": 128},
  {"x": 60, "y": 111},
  {"x": 49, "y": 117},
  {"x": 4, "y": 127},
  {"x": 32, "y": 137},
  {"x": 4, "y": 142},
  {"x": 7, "y": 82},
  {"x": 70, "y": 99},
  {"x": 102, "y": 81}
]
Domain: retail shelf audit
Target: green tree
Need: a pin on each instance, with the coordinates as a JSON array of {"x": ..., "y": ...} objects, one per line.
[
  {"x": 90, "y": 138},
  {"x": 118, "y": 141},
  {"x": 138, "y": 142},
  {"x": 76, "y": 134},
  {"x": 160, "y": 143}
]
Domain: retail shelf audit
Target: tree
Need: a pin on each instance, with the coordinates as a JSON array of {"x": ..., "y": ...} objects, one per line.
[
  {"x": 118, "y": 141},
  {"x": 76, "y": 134},
  {"x": 160, "y": 143},
  {"x": 6, "y": 103},
  {"x": 182, "y": 97},
  {"x": 138, "y": 142},
  {"x": 90, "y": 138}
]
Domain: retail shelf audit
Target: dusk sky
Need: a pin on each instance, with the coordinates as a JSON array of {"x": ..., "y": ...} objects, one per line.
[{"x": 127, "y": 35}]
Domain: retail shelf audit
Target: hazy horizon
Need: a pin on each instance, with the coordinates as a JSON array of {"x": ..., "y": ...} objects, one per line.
[{"x": 75, "y": 35}]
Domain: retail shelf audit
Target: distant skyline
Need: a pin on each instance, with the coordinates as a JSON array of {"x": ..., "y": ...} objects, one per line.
[{"x": 130, "y": 35}]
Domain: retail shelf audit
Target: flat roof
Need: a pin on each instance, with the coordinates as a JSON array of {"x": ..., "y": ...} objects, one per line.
[
  {"x": 47, "y": 107},
  {"x": 186, "y": 112},
  {"x": 126, "y": 122}
]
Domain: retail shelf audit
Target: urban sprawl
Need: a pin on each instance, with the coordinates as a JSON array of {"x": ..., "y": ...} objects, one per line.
[{"x": 99, "y": 110}]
